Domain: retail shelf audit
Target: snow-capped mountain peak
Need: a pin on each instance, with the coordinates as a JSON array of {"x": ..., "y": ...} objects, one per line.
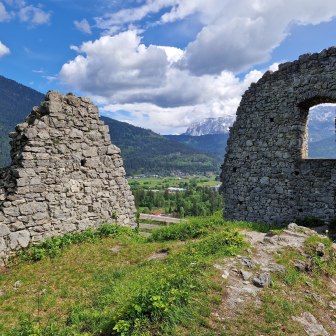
[{"x": 211, "y": 126}]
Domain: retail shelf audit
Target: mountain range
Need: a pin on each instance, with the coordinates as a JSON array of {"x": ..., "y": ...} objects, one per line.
[
  {"x": 211, "y": 134},
  {"x": 143, "y": 151},
  {"x": 210, "y": 126},
  {"x": 200, "y": 149}
]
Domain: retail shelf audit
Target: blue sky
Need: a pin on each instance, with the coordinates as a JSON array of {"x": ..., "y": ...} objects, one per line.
[{"x": 160, "y": 64}]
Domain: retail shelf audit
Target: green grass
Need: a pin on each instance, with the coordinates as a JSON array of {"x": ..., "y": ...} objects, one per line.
[
  {"x": 201, "y": 226},
  {"x": 160, "y": 183},
  {"x": 325, "y": 264},
  {"x": 102, "y": 283}
]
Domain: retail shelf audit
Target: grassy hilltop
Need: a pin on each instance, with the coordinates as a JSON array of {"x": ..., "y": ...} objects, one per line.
[{"x": 186, "y": 279}]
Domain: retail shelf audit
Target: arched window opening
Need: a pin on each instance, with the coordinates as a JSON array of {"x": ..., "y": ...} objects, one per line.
[{"x": 322, "y": 131}]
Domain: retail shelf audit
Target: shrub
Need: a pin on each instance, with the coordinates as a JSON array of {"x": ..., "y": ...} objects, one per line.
[
  {"x": 158, "y": 306},
  {"x": 55, "y": 245},
  {"x": 224, "y": 243},
  {"x": 182, "y": 231},
  {"x": 309, "y": 221}
]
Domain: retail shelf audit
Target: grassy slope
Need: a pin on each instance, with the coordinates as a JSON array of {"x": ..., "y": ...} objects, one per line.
[{"x": 95, "y": 288}]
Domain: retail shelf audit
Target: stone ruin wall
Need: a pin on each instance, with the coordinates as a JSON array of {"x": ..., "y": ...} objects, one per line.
[
  {"x": 65, "y": 175},
  {"x": 266, "y": 175}
]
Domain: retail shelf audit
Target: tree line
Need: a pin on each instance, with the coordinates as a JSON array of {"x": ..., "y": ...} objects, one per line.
[{"x": 195, "y": 201}]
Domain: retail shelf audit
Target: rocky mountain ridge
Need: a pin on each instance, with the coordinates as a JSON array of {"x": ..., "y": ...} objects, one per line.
[
  {"x": 204, "y": 134},
  {"x": 210, "y": 126}
]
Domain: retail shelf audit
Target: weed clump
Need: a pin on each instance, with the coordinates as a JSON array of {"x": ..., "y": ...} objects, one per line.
[
  {"x": 55, "y": 245},
  {"x": 226, "y": 243},
  {"x": 197, "y": 227},
  {"x": 321, "y": 263}
]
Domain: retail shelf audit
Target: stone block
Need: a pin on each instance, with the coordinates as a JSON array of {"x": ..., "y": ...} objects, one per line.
[
  {"x": 3, "y": 245},
  {"x": 90, "y": 152},
  {"x": 4, "y": 230},
  {"x": 19, "y": 239}
]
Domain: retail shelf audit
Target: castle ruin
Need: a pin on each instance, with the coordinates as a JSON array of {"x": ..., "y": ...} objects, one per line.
[
  {"x": 65, "y": 175},
  {"x": 267, "y": 176}
]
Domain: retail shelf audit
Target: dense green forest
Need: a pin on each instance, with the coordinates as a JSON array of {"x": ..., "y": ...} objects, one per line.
[
  {"x": 147, "y": 152},
  {"x": 194, "y": 201},
  {"x": 213, "y": 144}
]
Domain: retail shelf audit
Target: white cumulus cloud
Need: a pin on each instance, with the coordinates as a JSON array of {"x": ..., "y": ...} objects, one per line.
[
  {"x": 3, "y": 50},
  {"x": 235, "y": 35},
  {"x": 166, "y": 88},
  {"x": 83, "y": 26},
  {"x": 243, "y": 33},
  {"x": 123, "y": 74},
  {"x": 33, "y": 15},
  {"x": 114, "y": 64}
]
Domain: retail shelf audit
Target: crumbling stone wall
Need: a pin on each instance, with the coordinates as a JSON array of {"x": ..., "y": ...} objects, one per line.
[
  {"x": 266, "y": 174},
  {"x": 65, "y": 175}
]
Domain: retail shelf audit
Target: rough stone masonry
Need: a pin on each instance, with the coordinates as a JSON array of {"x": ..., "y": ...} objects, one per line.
[
  {"x": 267, "y": 176},
  {"x": 65, "y": 175}
]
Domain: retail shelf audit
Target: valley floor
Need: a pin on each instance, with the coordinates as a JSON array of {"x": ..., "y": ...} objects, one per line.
[{"x": 204, "y": 276}]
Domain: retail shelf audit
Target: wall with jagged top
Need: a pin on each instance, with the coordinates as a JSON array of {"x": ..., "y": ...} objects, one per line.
[
  {"x": 266, "y": 174},
  {"x": 65, "y": 175}
]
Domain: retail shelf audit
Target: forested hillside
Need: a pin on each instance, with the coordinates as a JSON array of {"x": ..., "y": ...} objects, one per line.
[
  {"x": 210, "y": 143},
  {"x": 144, "y": 151},
  {"x": 16, "y": 102}
]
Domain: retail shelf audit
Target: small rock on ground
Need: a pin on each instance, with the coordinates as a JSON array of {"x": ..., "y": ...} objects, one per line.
[
  {"x": 320, "y": 249},
  {"x": 245, "y": 275},
  {"x": 332, "y": 305},
  {"x": 225, "y": 274},
  {"x": 17, "y": 284},
  {"x": 116, "y": 249},
  {"x": 311, "y": 325},
  {"x": 247, "y": 262},
  {"x": 262, "y": 280}
]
